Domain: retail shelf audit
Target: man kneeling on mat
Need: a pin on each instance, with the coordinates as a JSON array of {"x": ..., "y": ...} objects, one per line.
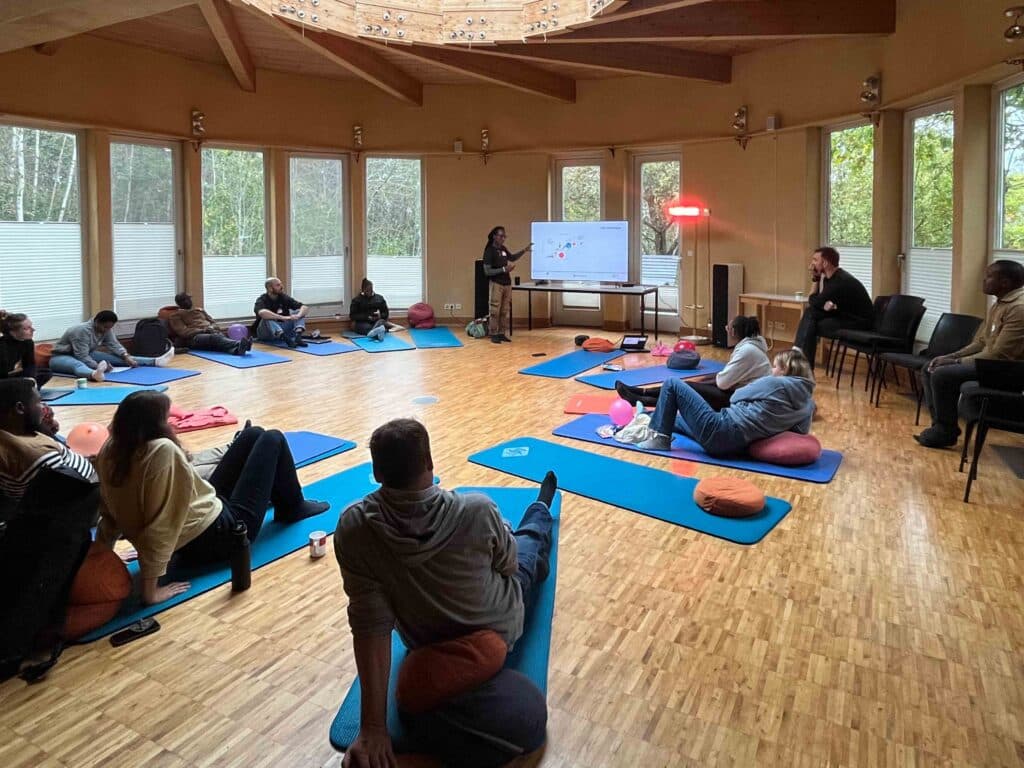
[
  {"x": 768, "y": 406},
  {"x": 438, "y": 565}
]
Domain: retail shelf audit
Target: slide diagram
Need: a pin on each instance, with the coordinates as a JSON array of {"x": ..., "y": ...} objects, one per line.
[{"x": 591, "y": 251}]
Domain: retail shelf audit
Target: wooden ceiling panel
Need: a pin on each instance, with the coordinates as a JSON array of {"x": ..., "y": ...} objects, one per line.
[
  {"x": 183, "y": 32},
  {"x": 272, "y": 49}
]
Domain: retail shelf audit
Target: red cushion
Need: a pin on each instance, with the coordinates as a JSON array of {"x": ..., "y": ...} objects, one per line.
[
  {"x": 421, "y": 315},
  {"x": 99, "y": 588},
  {"x": 433, "y": 674},
  {"x": 82, "y": 619},
  {"x": 165, "y": 313},
  {"x": 729, "y": 497},
  {"x": 44, "y": 352},
  {"x": 787, "y": 449}
]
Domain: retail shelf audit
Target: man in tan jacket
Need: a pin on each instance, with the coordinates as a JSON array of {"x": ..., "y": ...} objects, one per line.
[
  {"x": 1001, "y": 337},
  {"x": 191, "y": 327}
]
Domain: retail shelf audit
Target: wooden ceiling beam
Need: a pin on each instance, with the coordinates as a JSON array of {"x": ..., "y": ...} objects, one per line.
[
  {"x": 513, "y": 74},
  {"x": 742, "y": 20},
  {"x": 634, "y": 59},
  {"x": 357, "y": 58},
  {"x": 222, "y": 23},
  {"x": 619, "y": 10},
  {"x": 28, "y": 23}
]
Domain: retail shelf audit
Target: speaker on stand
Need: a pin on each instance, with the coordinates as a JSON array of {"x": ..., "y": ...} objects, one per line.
[{"x": 726, "y": 287}]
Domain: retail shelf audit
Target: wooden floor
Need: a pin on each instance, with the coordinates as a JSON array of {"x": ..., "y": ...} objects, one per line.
[{"x": 881, "y": 623}]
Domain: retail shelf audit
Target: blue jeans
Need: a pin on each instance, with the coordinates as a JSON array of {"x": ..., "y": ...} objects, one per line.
[
  {"x": 533, "y": 546},
  {"x": 269, "y": 330},
  {"x": 683, "y": 410},
  {"x": 72, "y": 366}
]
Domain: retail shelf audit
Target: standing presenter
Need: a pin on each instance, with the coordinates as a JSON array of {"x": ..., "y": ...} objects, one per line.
[{"x": 498, "y": 265}]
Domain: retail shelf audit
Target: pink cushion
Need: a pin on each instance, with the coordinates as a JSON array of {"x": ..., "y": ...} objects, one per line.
[
  {"x": 421, "y": 315},
  {"x": 787, "y": 449}
]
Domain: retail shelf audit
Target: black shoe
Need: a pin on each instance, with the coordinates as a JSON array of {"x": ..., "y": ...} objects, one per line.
[
  {"x": 291, "y": 342},
  {"x": 936, "y": 437},
  {"x": 496, "y": 339},
  {"x": 300, "y": 343},
  {"x": 306, "y": 509},
  {"x": 626, "y": 392},
  {"x": 506, "y": 338}
]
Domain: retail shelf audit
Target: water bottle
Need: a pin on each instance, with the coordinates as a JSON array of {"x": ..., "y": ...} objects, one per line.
[{"x": 241, "y": 562}]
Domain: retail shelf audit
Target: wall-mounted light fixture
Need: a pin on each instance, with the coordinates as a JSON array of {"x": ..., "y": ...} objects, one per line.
[
  {"x": 198, "y": 123},
  {"x": 739, "y": 124},
  {"x": 1015, "y": 31},
  {"x": 871, "y": 91},
  {"x": 485, "y": 143}
]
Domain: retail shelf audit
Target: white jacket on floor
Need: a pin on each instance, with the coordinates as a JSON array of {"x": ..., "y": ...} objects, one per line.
[{"x": 749, "y": 361}]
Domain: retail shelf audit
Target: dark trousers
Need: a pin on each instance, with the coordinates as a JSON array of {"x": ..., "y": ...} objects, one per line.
[
  {"x": 214, "y": 342},
  {"x": 257, "y": 470},
  {"x": 942, "y": 393},
  {"x": 817, "y": 322},
  {"x": 363, "y": 327},
  {"x": 714, "y": 396},
  {"x": 506, "y": 716},
  {"x": 43, "y": 375}
]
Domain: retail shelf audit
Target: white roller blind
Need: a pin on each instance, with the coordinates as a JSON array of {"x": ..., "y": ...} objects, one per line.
[
  {"x": 857, "y": 261},
  {"x": 929, "y": 274},
  {"x": 41, "y": 274},
  {"x": 231, "y": 284},
  {"x": 145, "y": 269}
]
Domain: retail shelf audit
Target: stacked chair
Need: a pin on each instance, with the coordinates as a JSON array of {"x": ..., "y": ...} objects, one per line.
[{"x": 894, "y": 330}]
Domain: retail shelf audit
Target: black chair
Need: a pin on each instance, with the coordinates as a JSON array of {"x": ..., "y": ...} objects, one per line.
[
  {"x": 894, "y": 332},
  {"x": 951, "y": 333},
  {"x": 995, "y": 401},
  {"x": 881, "y": 302}
]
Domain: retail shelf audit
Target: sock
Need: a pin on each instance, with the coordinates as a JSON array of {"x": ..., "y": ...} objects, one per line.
[
  {"x": 547, "y": 489},
  {"x": 306, "y": 509}
]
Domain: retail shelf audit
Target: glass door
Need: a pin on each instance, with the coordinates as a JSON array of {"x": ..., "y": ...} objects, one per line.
[
  {"x": 577, "y": 197},
  {"x": 656, "y": 184}
]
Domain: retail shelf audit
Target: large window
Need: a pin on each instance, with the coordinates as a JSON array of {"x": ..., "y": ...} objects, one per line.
[
  {"x": 394, "y": 229},
  {"x": 144, "y": 209},
  {"x": 658, "y": 235},
  {"x": 578, "y": 198},
  {"x": 40, "y": 228},
  {"x": 928, "y": 270},
  {"x": 317, "y": 231},
  {"x": 849, "y": 179},
  {"x": 1009, "y": 230},
  {"x": 234, "y": 231}
]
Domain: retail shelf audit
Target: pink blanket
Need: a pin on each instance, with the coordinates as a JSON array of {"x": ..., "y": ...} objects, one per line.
[{"x": 189, "y": 421}]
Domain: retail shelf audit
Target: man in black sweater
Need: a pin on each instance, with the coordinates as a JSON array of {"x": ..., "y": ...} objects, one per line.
[
  {"x": 369, "y": 311},
  {"x": 839, "y": 301}
]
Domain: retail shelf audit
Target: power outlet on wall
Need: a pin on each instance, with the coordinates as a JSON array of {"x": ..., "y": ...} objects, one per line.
[
  {"x": 457, "y": 306},
  {"x": 452, "y": 307},
  {"x": 779, "y": 325},
  {"x": 449, "y": 307}
]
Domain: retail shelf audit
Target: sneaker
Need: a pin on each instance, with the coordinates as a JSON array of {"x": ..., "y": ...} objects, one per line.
[
  {"x": 936, "y": 437},
  {"x": 506, "y": 338},
  {"x": 291, "y": 342},
  {"x": 164, "y": 360},
  {"x": 300, "y": 343},
  {"x": 658, "y": 442},
  {"x": 315, "y": 334},
  {"x": 243, "y": 346},
  {"x": 496, "y": 339}
]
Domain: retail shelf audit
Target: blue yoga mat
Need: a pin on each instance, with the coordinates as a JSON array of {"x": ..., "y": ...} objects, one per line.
[
  {"x": 98, "y": 395},
  {"x": 275, "y": 541},
  {"x": 434, "y": 338},
  {"x": 148, "y": 375},
  {"x": 252, "y": 359},
  {"x": 531, "y": 651},
  {"x": 821, "y": 471},
  {"x": 310, "y": 447},
  {"x": 323, "y": 349},
  {"x": 567, "y": 366},
  {"x": 652, "y": 374},
  {"x": 652, "y": 492},
  {"x": 391, "y": 343}
]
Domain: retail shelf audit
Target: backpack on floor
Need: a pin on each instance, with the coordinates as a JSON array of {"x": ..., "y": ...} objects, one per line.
[{"x": 151, "y": 338}]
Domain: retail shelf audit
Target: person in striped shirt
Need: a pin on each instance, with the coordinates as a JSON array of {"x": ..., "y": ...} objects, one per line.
[{"x": 24, "y": 449}]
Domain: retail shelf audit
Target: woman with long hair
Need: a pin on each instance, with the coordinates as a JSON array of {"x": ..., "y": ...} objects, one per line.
[
  {"x": 154, "y": 496},
  {"x": 748, "y": 362},
  {"x": 765, "y": 407},
  {"x": 18, "y": 349},
  {"x": 498, "y": 265}
]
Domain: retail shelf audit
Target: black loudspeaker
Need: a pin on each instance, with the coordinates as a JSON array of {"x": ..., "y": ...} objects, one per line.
[
  {"x": 480, "y": 290},
  {"x": 726, "y": 287}
]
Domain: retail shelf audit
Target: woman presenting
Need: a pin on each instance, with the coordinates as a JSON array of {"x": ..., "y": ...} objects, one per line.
[{"x": 498, "y": 265}]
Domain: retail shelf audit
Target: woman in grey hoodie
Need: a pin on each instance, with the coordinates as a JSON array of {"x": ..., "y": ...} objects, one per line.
[
  {"x": 748, "y": 362},
  {"x": 768, "y": 406}
]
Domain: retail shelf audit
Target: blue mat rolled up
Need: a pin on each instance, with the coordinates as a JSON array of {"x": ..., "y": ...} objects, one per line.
[
  {"x": 531, "y": 652},
  {"x": 652, "y": 492}
]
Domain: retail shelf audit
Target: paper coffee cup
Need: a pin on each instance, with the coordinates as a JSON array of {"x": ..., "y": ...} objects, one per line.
[
  {"x": 81, "y": 383},
  {"x": 317, "y": 544}
]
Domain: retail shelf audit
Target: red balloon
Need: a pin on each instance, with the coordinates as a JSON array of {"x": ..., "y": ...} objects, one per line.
[{"x": 684, "y": 346}]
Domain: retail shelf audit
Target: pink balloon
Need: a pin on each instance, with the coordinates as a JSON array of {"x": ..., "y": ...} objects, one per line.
[
  {"x": 237, "y": 331},
  {"x": 621, "y": 412}
]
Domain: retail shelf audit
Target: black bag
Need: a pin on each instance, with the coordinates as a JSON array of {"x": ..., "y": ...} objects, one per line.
[
  {"x": 42, "y": 546},
  {"x": 151, "y": 337}
]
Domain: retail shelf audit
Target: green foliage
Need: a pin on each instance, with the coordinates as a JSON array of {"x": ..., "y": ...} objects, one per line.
[
  {"x": 317, "y": 207},
  {"x": 38, "y": 175},
  {"x": 394, "y": 207},
  {"x": 659, "y": 186},
  {"x": 1013, "y": 169},
  {"x": 933, "y": 181},
  {"x": 141, "y": 184},
  {"x": 581, "y": 193},
  {"x": 234, "y": 201},
  {"x": 851, "y": 181}
]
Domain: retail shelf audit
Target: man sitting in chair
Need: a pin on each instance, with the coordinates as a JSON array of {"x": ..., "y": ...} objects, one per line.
[
  {"x": 191, "y": 327},
  {"x": 1000, "y": 337},
  {"x": 279, "y": 316},
  {"x": 438, "y": 565},
  {"x": 838, "y": 302}
]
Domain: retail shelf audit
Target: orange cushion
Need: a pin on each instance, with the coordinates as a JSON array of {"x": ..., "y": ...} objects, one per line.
[
  {"x": 44, "y": 352},
  {"x": 597, "y": 344},
  {"x": 787, "y": 449},
  {"x": 729, "y": 497},
  {"x": 165, "y": 312},
  {"x": 433, "y": 674},
  {"x": 82, "y": 619},
  {"x": 99, "y": 588}
]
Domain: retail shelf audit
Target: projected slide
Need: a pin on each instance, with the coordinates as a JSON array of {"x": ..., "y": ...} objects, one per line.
[{"x": 580, "y": 250}]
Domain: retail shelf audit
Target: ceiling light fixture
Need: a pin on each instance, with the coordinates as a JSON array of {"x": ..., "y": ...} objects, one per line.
[
  {"x": 872, "y": 91},
  {"x": 1015, "y": 31}
]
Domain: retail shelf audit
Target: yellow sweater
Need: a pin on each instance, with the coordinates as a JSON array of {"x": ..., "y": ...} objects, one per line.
[{"x": 160, "y": 507}]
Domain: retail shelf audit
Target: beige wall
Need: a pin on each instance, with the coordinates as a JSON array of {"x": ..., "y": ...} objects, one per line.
[{"x": 764, "y": 200}]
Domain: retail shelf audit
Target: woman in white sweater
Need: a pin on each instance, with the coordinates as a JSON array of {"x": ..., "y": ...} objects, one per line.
[
  {"x": 153, "y": 495},
  {"x": 748, "y": 362}
]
